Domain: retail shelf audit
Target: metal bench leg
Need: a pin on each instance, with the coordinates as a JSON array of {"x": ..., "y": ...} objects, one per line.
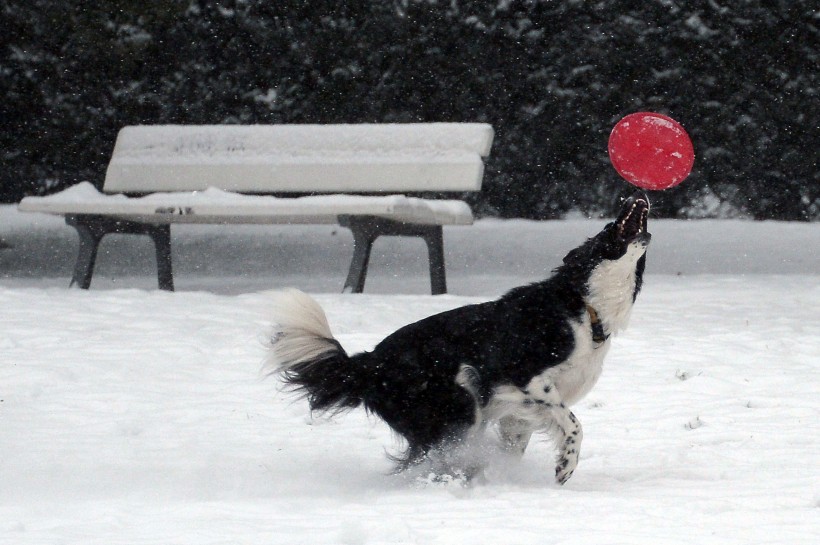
[
  {"x": 161, "y": 235},
  {"x": 435, "y": 249},
  {"x": 90, "y": 236},
  {"x": 92, "y": 228},
  {"x": 363, "y": 238},
  {"x": 366, "y": 229}
]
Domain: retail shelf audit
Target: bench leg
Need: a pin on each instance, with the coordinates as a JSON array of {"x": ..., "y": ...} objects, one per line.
[
  {"x": 90, "y": 236},
  {"x": 363, "y": 239},
  {"x": 92, "y": 229},
  {"x": 161, "y": 235},
  {"x": 367, "y": 229},
  {"x": 435, "y": 250}
]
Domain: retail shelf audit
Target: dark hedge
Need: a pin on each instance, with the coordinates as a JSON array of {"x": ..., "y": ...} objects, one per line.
[{"x": 552, "y": 77}]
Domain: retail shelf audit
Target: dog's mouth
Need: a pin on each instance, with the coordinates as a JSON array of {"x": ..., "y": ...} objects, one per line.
[{"x": 632, "y": 221}]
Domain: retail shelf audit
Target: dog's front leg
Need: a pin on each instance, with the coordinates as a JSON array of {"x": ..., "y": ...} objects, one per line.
[
  {"x": 515, "y": 434},
  {"x": 569, "y": 435},
  {"x": 542, "y": 394}
]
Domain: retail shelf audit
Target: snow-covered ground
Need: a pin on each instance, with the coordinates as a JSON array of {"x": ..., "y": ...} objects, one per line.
[{"x": 129, "y": 415}]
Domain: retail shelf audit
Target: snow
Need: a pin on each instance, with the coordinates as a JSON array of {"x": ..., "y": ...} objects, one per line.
[
  {"x": 131, "y": 415},
  {"x": 214, "y": 205}
]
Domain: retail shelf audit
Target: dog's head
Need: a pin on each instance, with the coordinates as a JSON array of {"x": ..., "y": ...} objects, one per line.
[
  {"x": 628, "y": 231},
  {"x": 624, "y": 241}
]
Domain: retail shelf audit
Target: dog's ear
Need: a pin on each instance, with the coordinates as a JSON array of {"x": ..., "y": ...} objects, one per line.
[{"x": 577, "y": 255}]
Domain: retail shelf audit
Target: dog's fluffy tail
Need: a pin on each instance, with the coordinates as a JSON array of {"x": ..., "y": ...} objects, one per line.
[{"x": 303, "y": 352}]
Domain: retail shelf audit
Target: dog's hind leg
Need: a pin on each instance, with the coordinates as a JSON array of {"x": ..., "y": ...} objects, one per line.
[
  {"x": 442, "y": 424},
  {"x": 461, "y": 451},
  {"x": 462, "y": 457}
]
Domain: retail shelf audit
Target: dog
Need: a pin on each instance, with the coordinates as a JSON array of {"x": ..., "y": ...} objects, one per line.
[{"x": 517, "y": 363}]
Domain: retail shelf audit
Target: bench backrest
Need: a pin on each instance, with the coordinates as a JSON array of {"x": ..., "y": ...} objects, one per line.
[{"x": 377, "y": 158}]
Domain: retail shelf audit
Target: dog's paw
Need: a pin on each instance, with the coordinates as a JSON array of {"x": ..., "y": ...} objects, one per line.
[{"x": 564, "y": 470}]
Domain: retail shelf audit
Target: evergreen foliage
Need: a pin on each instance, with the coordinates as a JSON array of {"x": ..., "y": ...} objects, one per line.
[{"x": 551, "y": 76}]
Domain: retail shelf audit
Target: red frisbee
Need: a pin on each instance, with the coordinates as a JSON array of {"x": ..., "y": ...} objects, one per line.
[{"x": 651, "y": 150}]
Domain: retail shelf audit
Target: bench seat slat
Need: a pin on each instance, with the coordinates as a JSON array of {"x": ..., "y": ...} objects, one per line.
[
  {"x": 388, "y": 158},
  {"x": 456, "y": 173}
]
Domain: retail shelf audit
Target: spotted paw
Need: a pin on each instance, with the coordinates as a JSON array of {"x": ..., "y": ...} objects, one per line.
[
  {"x": 563, "y": 471},
  {"x": 562, "y": 476}
]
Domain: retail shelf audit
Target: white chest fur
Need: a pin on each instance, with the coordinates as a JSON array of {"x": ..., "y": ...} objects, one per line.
[
  {"x": 611, "y": 293},
  {"x": 612, "y": 289},
  {"x": 575, "y": 377}
]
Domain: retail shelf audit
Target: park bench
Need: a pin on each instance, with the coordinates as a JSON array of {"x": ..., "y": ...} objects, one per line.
[{"x": 363, "y": 177}]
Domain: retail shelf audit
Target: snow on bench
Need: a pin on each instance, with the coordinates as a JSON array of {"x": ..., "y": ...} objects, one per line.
[{"x": 353, "y": 175}]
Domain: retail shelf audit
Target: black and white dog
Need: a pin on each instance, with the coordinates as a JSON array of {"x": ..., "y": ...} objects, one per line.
[{"x": 517, "y": 363}]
